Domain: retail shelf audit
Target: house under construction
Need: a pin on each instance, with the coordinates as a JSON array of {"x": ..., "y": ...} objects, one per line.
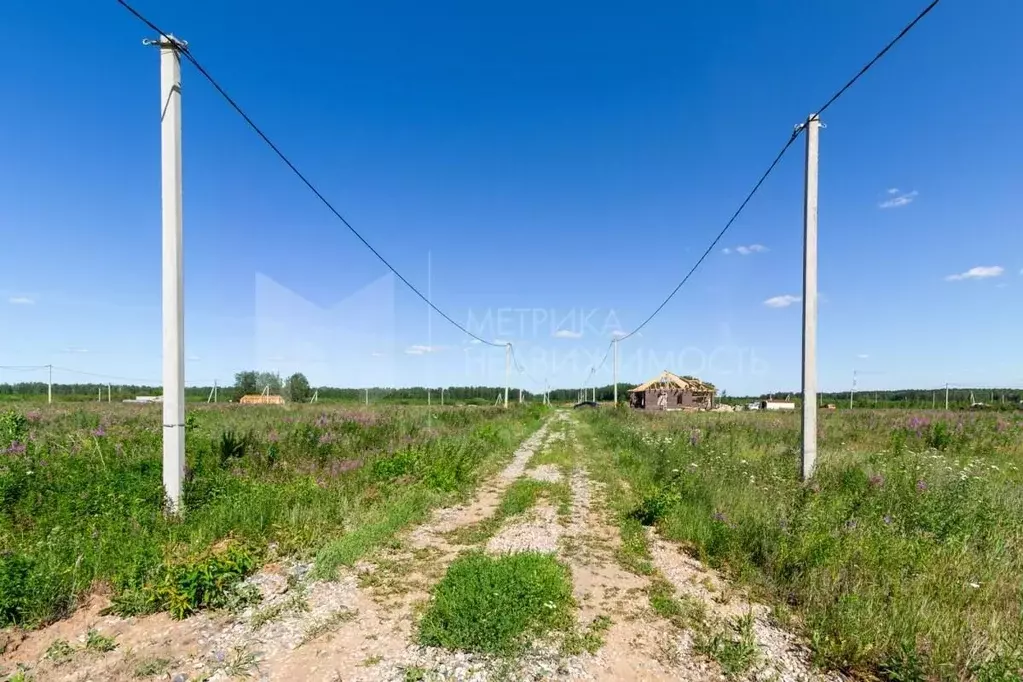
[
  {"x": 671, "y": 392},
  {"x": 262, "y": 399}
]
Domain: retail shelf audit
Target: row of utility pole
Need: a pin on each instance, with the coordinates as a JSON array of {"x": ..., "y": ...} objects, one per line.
[{"x": 173, "y": 294}]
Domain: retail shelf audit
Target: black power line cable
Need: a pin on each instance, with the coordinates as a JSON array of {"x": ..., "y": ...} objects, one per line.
[
  {"x": 784, "y": 149},
  {"x": 183, "y": 49}
]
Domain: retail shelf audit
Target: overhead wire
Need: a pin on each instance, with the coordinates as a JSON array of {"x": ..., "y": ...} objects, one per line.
[
  {"x": 596, "y": 367},
  {"x": 145, "y": 382},
  {"x": 184, "y": 50},
  {"x": 795, "y": 134},
  {"x": 521, "y": 368}
]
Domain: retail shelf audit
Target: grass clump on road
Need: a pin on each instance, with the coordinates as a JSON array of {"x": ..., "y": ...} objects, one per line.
[{"x": 495, "y": 604}]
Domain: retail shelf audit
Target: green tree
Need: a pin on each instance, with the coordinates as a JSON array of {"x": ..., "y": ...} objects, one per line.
[
  {"x": 246, "y": 383},
  {"x": 297, "y": 388},
  {"x": 271, "y": 379}
]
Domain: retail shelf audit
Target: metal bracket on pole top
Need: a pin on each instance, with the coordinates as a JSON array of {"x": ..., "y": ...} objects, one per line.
[
  {"x": 159, "y": 42},
  {"x": 800, "y": 127}
]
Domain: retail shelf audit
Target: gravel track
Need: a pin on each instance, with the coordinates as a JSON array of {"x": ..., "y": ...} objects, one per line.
[{"x": 360, "y": 628}]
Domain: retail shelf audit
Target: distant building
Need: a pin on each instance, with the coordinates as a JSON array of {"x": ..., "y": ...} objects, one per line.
[
  {"x": 776, "y": 405},
  {"x": 670, "y": 392},
  {"x": 261, "y": 400},
  {"x": 145, "y": 399}
]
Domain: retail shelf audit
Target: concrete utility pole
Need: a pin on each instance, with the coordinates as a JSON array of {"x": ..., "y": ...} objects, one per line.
[
  {"x": 934, "y": 399},
  {"x": 852, "y": 390},
  {"x": 442, "y": 396},
  {"x": 507, "y": 371},
  {"x": 811, "y": 128},
  {"x": 946, "y": 396},
  {"x": 108, "y": 393},
  {"x": 428, "y": 398},
  {"x": 614, "y": 365},
  {"x": 367, "y": 396},
  {"x": 173, "y": 285},
  {"x": 49, "y": 387}
]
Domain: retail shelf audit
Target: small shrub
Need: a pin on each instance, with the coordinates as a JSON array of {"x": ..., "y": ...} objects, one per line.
[
  {"x": 150, "y": 667},
  {"x": 99, "y": 643},
  {"x": 59, "y": 652},
  {"x": 733, "y": 647},
  {"x": 208, "y": 580},
  {"x": 13, "y": 427},
  {"x": 231, "y": 446},
  {"x": 654, "y": 507}
]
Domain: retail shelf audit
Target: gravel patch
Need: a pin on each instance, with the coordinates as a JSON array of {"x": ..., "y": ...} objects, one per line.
[
  {"x": 540, "y": 532},
  {"x": 523, "y": 454},
  {"x": 545, "y": 472},
  {"x": 580, "y": 487},
  {"x": 539, "y": 663}
]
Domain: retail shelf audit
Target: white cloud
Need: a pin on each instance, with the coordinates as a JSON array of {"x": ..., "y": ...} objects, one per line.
[
  {"x": 745, "y": 250},
  {"x": 893, "y": 190},
  {"x": 782, "y": 301},
  {"x": 567, "y": 334},
  {"x": 500, "y": 342},
  {"x": 863, "y": 356},
  {"x": 194, "y": 358},
  {"x": 979, "y": 272},
  {"x": 421, "y": 350},
  {"x": 21, "y": 300},
  {"x": 618, "y": 334},
  {"x": 377, "y": 354},
  {"x": 898, "y": 198},
  {"x": 76, "y": 350},
  {"x": 475, "y": 342}
]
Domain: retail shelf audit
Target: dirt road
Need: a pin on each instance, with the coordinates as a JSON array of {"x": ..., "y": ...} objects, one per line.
[{"x": 671, "y": 619}]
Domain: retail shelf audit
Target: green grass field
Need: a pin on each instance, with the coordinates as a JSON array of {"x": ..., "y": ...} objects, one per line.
[
  {"x": 81, "y": 496},
  {"x": 901, "y": 559}
]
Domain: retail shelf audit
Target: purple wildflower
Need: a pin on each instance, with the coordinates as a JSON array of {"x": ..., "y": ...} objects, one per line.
[
  {"x": 694, "y": 437},
  {"x": 17, "y": 448},
  {"x": 273, "y": 436},
  {"x": 918, "y": 424},
  {"x": 326, "y": 439},
  {"x": 322, "y": 420},
  {"x": 720, "y": 517},
  {"x": 850, "y": 524},
  {"x": 33, "y": 415},
  {"x": 99, "y": 432},
  {"x": 887, "y": 519},
  {"x": 921, "y": 486},
  {"x": 877, "y": 481}
]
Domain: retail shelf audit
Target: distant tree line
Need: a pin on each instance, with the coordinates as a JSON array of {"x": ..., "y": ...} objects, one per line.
[{"x": 296, "y": 388}]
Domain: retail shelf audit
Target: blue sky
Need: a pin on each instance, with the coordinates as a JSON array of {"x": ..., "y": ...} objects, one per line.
[{"x": 539, "y": 169}]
